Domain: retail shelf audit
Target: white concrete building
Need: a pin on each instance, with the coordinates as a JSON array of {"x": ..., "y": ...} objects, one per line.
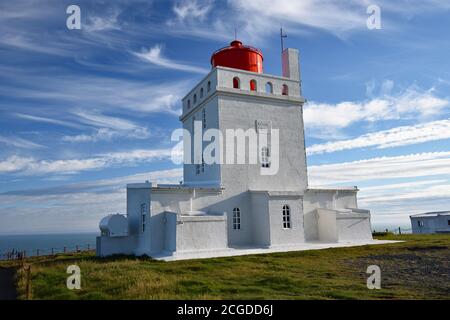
[
  {"x": 230, "y": 209},
  {"x": 431, "y": 222}
]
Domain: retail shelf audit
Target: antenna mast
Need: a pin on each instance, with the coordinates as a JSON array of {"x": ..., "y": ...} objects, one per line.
[{"x": 282, "y": 35}]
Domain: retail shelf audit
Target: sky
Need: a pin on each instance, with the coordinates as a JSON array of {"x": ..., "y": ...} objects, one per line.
[{"x": 84, "y": 112}]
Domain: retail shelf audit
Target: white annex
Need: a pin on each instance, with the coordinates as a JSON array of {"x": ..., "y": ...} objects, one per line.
[
  {"x": 431, "y": 222},
  {"x": 232, "y": 209}
]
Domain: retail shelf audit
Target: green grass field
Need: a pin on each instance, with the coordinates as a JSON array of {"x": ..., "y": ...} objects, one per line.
[{"x": 418, "y": 268}]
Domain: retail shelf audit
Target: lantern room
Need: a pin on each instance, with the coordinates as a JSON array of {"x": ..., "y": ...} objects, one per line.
[{"x": 238, "y": 56}]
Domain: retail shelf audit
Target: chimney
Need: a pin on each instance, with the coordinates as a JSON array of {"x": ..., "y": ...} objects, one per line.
[{"x": 290, "y": 64}]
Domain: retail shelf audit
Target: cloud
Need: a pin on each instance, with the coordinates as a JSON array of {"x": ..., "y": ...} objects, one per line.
[
  {"x": 47, "y": 120},
  {"x": 19, "y": 143},
  {"x": 192, "y": 9},
  {"x": 411, "y": 103},
  {"x": 406, "y": 166},
  {"x": 108, "y": 128},
  {"x": 31, "y": 166},
  {"x": 392, "y": 204},
  {"x": 400, "y": 136},
  {"x": 259, "y": 17},
  {"x": 72, "y": 207},
  {"x": 104, "y": 23},
  {"x": 83, "y": 92},
  {"x": 154, "y": 56}
]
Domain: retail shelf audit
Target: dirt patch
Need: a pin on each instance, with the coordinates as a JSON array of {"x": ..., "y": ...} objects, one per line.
[
  {"x": 425, "y": 270},
  {"x": 7, "y": 284}
]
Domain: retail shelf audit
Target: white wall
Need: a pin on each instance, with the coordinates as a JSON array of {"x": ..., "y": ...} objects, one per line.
[
  {"x": 327, "y": 199},
  {"x": 260, "y": 219},
  {"x": 354, "y": 227},
  {"x": 137, "y": 194},
  {"x": 327, "y": 227},
  {"x": 279, "y": 235},
  {"x": 241, "y": 112},
  {"x": 107, "y": 246},
  {"x": 201, "y": 233}
]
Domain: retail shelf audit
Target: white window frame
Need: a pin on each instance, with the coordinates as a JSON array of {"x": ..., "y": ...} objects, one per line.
[
  {"x": 204, "y": 118},
  {"x": 143, "y": 216},
  {"x": 265, "y": 157},
  {"x": 287, "y": 217},
  {"x": 236, "y": 219}
]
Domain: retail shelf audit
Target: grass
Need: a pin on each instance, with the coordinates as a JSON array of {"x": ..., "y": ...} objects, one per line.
[{"x": 418, "y": 268}]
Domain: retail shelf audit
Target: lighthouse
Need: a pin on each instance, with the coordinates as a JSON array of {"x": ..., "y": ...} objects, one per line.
[{"x": 237, "y": 200}]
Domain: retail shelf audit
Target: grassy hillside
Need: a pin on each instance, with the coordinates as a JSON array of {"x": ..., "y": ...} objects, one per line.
[{"x": 416, "y": 269}]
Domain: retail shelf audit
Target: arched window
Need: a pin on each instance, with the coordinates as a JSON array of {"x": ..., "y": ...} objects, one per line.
[
  {"x": 269, "y": 87},
  {"x": 195, "y": 98},
  {"x": 265, "y": 157},
  {"x": 285, "y": 90},
  {"x": 189, "y": 104},
  {"x": 253, "y": 86},
  {"x": 236, "y": 83},
  {"x": 204, "y": 118},
  {"x": 236, "y": 219},
  {"x": 201, "y": 93},
  {"x": 286, "y": 217},
  {"x": 209, "y": 86}
]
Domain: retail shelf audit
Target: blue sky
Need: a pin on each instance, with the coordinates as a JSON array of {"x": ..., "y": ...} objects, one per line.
[{"x": 83, "y": 112}]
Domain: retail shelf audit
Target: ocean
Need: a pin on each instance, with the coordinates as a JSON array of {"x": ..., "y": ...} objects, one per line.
[{"x": 45, "y": 242}]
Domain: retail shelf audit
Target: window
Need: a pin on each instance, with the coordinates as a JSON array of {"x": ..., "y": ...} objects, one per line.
[
  {"x": 236, "y": 219},
  {"x": 203, "y": 164},
  {"x": 236, "y": 83},
  {"x": 265, "y": 157},
  {"x": 189, "y": 104},
  {"x": 269, "y": 87},
  {"x": 204, "y": 118},
  {"x": 286, "y": 217},
  {"x": 201, "y": 93},
  {"x": 285, "y": 90},
  {"x": 195, "y": 98},
  {"x": 143, "y": 215},
  {"x": 448, "y": 221},
  {"x": 209, "y": 86},
  {"x": 253, "y": 86},
  {"x": 197, "y": 169},
  {"x": 420, "y": 223}
]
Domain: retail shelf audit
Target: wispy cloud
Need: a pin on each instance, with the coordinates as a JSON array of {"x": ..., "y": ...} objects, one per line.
[
  {"x": 406, "y": 166},
  {"x": 192, "y": 9},
  {"x": 105, "y": 93},
  {"x": 107, "y": 22},
  {"x": 19, "y": 142},
  {"x": 154, "y": 56},
  {"x": 400, "y": 136},
  {"x": 412, "y": 103},
  {"x": 31, "y": 166},
  {"x": 58, "y": 122},
  {"x": 51, "y": 209}
]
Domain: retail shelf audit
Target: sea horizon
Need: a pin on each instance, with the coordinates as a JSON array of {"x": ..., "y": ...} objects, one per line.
[{"x": 46, "y": 243}]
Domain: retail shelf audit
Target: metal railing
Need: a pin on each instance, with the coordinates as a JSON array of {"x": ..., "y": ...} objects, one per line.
[{"x": 22, "y": 254}]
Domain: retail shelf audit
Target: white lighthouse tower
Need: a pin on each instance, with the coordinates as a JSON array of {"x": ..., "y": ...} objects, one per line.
[{"x": 233, "y": 198}]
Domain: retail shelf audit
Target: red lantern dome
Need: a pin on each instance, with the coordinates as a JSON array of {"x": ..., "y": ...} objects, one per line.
[{"x": 238, "y": 56}]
